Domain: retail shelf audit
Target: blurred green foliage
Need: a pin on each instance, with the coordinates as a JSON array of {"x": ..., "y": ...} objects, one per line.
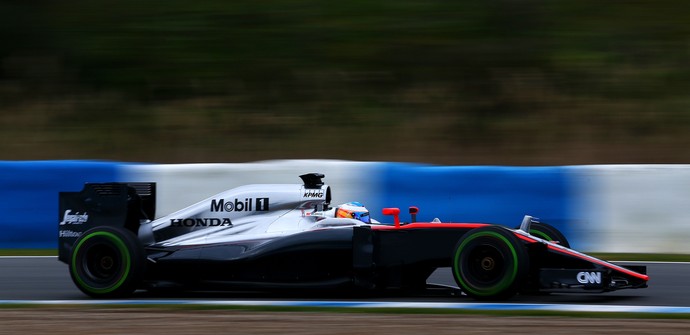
[{"x": 450, "y": 82}]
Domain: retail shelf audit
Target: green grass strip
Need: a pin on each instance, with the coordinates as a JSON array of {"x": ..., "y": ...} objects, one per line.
[
  {"x": 641, "y": 257},
  {"x": 28, "y": 252}
]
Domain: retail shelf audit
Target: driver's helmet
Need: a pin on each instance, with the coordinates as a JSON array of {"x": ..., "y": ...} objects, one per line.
[{"x": 353, "y": 210}]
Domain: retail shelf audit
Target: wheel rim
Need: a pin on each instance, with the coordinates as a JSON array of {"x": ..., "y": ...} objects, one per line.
[
  {"x": 103, "y": 263},
  {"x": 486, "y": 264}
]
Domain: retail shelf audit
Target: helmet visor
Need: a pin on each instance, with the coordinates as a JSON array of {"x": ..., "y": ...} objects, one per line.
[{"x": 362, "y": 216}]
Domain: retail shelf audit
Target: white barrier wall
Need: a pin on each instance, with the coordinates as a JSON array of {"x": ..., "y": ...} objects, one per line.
[
  {"x": 633, "y": 208},
  {"x": 180, "y": 185}
]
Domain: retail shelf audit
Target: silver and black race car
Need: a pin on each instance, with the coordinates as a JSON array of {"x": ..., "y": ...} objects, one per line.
[{"x": 265, "y": 237}]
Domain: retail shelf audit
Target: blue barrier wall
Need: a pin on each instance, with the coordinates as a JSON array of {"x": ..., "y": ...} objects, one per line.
[
  {"x": 29, "y": 197},
  {"x": 493, "y": 194}
]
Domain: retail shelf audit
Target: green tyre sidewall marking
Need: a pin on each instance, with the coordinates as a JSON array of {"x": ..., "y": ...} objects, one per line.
[
  {"x": 541, "y": 235},
  {"x": 503, "y": 284},
  {"x": 550, "y": 234},
  {"x": 123, "y": 251}
]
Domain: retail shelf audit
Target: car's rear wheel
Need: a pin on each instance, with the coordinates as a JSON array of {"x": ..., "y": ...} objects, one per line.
[
  {"x": 107, "y": 262},
  {"x": 490, "y": 263}
]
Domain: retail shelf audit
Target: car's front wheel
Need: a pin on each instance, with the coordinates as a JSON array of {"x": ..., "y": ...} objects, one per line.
[
  {"x": 490, "y": 263},
  {"x": 107, "y": 262}
]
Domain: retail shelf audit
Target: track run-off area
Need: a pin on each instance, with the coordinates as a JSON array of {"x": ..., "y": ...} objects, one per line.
[{"x": 46, "y": 281}]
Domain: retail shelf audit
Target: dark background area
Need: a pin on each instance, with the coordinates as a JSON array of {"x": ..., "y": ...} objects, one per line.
[{"x": 447, "y": 82}]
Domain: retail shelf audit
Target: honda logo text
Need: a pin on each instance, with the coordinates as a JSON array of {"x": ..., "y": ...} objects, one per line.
[{"x": 200, "y": 222}]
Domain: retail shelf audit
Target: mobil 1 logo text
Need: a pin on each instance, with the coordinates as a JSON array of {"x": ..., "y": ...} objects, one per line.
[{"x": 239, "y": 205}]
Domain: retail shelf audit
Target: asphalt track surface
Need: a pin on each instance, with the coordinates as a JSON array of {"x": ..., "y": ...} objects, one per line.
[{"x": 45, "y": 278}]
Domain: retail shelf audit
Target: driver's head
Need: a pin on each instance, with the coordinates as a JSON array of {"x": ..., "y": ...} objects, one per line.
[{"x": 353, "y": 210}]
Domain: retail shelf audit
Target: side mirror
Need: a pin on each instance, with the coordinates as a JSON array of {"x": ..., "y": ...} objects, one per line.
[
  {"x": 396, "y": 215},
  {"x": 527, "y": 221},
  {"x": 413, "y": 213}
]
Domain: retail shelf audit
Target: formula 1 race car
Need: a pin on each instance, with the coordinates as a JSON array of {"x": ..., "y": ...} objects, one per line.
[{"x": 288, "y": 236}]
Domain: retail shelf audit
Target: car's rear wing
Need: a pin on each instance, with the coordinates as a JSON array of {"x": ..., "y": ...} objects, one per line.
[{"x": 103, "y": 204}]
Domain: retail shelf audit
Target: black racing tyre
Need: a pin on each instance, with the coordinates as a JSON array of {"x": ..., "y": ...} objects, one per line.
[
  {"x": 548, "y": 232},
  {"x": 107, "y": 262},
  {"x": 490, "y": 263}
]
